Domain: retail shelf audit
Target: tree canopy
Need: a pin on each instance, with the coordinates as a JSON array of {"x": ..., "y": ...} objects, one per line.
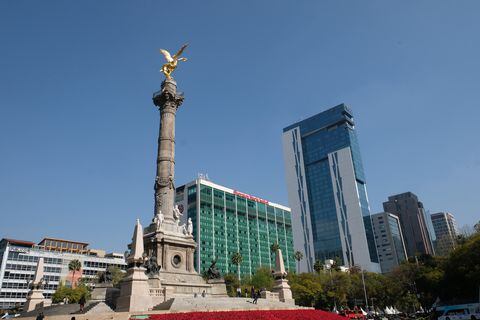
[
  {"x": 417, "y": 282},
  {"x": 73, "y": 295}
]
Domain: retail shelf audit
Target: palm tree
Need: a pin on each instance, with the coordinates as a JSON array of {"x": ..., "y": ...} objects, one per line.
[
  {"x": 337, "y": 262},
  {"x": 74, "y": 266},
  {"x": 237, "y": 260},
  {"x": 298, "y": 256},
  {"x": 274, "y": 247},
  {"x": 354, "y": 269},
  {"x": 318, "y": 266}
]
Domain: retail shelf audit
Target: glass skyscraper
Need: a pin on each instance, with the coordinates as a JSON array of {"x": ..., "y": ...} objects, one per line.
[
  {"x": 327, "y": 191},
  {"x": 226, "y": 221}
]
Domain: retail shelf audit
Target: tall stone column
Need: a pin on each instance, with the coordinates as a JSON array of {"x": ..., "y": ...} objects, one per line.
[{"x": 168, "y": 101}]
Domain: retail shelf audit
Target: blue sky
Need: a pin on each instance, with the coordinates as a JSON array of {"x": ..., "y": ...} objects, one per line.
[{"x": 78, "y": 128}]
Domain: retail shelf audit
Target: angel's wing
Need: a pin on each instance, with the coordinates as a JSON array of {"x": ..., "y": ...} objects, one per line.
[
  {"x": 180, "y": 51},
  {"x": 167, "y": 55}
]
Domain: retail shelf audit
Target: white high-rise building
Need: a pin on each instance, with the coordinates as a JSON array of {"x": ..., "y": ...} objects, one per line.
[
  {"x": 445, "y": 231},
  {"x": 389, "y": 239},
  {"x": 18, "y": 263}
]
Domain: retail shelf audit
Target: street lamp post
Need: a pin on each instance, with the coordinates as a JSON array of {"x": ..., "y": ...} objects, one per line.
[
  {"x": 328, "y": 265},
  {"x": 364, "y": 288},
  {"x": 415, "y": 293},
  {"x": 372, "y": 306}
]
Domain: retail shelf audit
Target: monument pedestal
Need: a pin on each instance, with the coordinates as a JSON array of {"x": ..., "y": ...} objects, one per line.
[
  {"x": 174, "y": 250},
  {"x": 35, "y": 300},
  {"x": 105, "y": 292},
  {"x": 157, "y": 292},
  {"x": 154, "y": 282},
  {"x": 282, "y": 288},
  {"x": 100, "y": 292},
  {"x": 135, "y": 292},
  {"x": 218, "y": 288}
]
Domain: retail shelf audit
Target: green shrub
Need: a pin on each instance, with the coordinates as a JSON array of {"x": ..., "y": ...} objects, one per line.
[{"x": 73, "y": 295}]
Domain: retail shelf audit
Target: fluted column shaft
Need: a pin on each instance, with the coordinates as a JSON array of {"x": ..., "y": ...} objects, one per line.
[{"x": 168, "y": 101}]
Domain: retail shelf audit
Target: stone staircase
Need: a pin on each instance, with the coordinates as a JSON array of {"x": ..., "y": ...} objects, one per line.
[
  {"x": 95, "y": 307},
  {"x": 54, "y": 310},
  {"x": 185, "y": 304}
]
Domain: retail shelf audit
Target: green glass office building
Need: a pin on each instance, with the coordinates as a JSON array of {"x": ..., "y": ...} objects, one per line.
[{"x": 226, "y": 221}]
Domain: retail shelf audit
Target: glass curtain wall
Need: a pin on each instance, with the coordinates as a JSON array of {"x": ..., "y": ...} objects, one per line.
[{"x": 230, "y": 223}]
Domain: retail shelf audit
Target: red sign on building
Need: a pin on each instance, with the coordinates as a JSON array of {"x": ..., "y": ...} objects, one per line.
[{"x": 249, "y": 197}]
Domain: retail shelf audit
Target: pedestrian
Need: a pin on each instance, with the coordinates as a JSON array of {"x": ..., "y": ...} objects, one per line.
[
  {"x": 252, "y": 292},
  {"x": 239, "y": 292},
  {"x": 40, "y": 316},
  {"x": 257, "y": 295},
  {"x": 81, "y": 302},
  {"x": 204, "y": 294},
  {"x": 246, "y": 293}
]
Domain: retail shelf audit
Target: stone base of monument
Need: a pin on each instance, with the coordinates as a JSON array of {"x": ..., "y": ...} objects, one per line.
[
  {"x": 174, "y": 250},
  {"x": 99, "y": 293},
  {"x": 134, "y": 292},
  {"x": 157, "y": 292},
  {"x": 282, "y": 288},
  {"x": 105, "y": 292},
  {"x": 35, "y": 300},
  {"x": 154, "y": 282},
  {"x": 218, "y": 288}
]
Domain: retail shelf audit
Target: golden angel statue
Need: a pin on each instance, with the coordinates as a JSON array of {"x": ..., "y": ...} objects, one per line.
[{"x": 172, "y": 61}]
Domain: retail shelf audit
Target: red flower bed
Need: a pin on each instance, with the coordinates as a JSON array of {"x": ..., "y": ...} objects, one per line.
[{"x": 250, "y": 315}]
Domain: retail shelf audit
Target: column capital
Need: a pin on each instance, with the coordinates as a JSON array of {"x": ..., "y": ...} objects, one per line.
[{"x": 168, "y": 97}]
